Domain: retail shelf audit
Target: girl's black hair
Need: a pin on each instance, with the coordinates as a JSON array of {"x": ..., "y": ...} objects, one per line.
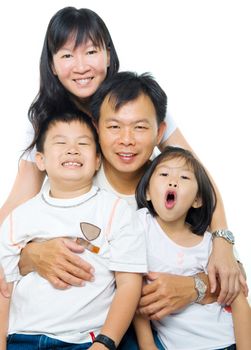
[
  {"x": 81, "y": 24},
  {"x": 198, "y": 218},
  {"x": 67, "y": 117}
]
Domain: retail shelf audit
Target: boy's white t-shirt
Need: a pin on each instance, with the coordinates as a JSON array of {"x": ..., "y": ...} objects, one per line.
[
  {"x": 70, "y": 315},
  {"x": 196, "y": 327}
]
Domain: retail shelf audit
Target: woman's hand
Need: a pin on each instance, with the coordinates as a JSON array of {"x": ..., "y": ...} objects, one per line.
[
  {"x": 56, "y": 261},
  {"x": 166, "y": 294},
  {"x": 223, "y": 267}
]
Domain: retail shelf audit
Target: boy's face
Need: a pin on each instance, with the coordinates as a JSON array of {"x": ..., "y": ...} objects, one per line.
[
  {"x": 128, "y": 136},
  {"x": 69, "y": 155}
]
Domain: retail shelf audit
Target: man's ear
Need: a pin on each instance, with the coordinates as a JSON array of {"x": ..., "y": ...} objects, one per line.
[
  {"x": 39, "y": 159},
  {"x": 161, "y": 130},
  {"x": 197, "y": 203}
]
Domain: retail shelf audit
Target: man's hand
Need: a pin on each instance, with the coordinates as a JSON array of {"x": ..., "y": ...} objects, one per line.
[
  {"x": 55, "y": 261},
  {"x": 166, "y": 294},
  {"x": 224, "y": 268}
]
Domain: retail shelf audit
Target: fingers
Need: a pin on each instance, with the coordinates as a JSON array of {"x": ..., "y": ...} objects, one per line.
[
  {"x": 74, "y": 246},
  {"x": 212, "y": 279},
  {"x": 230, "y": 287}
]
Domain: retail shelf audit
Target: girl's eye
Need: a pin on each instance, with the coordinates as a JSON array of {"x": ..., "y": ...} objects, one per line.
[
  {"x": 83, "y": 143},
  {"x": 91, "y": 52},
  {"x": 60, "y": 143},
  {"x": 184, "y": 177},
  {"x": 163, "y": 174}
]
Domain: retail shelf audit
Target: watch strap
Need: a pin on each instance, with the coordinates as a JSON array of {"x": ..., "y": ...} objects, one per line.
[{"x": 106, "y": 341}]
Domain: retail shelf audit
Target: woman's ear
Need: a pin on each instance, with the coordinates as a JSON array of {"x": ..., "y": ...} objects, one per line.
[
  {"x": 39, "y": 159},
  {"x": 148, "y": 198},
  {"x": 197, "y": 203}
]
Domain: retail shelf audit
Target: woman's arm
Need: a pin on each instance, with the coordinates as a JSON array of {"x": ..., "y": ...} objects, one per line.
[
  {"x": 222, "y": 262},
  {"x": 27, "y": 184},
  {"x": 241, "y": 312}
]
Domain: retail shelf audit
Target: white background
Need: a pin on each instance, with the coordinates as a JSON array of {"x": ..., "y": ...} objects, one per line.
[{"x": 200, "y": 53}]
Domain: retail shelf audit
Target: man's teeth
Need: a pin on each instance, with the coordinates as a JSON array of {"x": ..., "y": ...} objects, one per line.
[{"x": 72, "y": 164}]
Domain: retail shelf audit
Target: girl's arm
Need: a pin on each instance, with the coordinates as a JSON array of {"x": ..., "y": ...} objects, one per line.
[
  {"x": 123, "y": 307},
  {"x": 144, "y": 333},
  {"x": 4, "y": 317},
  {"x": 241, "y": 312},
  {"x": 222, "y": 261}
]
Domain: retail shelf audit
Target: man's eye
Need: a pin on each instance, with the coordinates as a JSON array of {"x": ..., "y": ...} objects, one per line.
[
  {"x": 141, "y": 127},
  {"x": 113, "y": 127}
]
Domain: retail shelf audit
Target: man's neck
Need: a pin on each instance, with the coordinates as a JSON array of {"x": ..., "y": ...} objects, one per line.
[{"x": 122, "y": 182}]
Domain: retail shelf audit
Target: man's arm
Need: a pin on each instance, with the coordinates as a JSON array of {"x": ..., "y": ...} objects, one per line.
[
  {"x": 123, "y": 307},
  {"x": 167, "y": 293},
  {"x": 56, "y": 261}
]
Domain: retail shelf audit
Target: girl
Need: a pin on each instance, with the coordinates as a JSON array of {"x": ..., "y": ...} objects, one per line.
[
  {"x": 177, "y": 200},
  {"x": 78, "y": 54}
]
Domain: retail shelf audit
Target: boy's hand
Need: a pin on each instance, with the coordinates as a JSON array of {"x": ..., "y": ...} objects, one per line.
[{"x": 55, "y": 261}]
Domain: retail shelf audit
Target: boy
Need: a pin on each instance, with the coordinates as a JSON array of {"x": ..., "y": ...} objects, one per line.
[{"x": 67, "y": 149}]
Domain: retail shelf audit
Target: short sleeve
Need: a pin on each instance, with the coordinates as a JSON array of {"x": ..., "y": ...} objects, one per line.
[
  {"x": 28, "y": 138},
  {"x": 171, "y": 126},
  {"x": 127, "y": 241}
]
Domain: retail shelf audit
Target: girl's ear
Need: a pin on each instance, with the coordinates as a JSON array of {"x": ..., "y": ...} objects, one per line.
[
  {"x": 197, "y": 203},
  {"x": 39, "y": 159}
]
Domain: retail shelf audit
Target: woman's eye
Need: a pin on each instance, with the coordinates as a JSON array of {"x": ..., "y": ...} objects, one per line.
[
  {"x": 91, "y": 52},
  {"x": 67, "y": 55}
]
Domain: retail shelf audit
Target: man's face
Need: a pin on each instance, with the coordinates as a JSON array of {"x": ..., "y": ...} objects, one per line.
[{"x": 128, "y": 136}]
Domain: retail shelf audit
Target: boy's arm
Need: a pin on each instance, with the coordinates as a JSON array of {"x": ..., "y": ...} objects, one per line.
[
  {"x": 241, "y": 312},
  {"x": 123, "y": 307},
  {"x": 144, "y": 333},
  {"x": 4, "y": 317}
]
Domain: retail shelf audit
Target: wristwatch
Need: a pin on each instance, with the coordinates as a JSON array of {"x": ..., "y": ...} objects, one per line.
[
  {"x": 200, "y": 287},
  {"x": 106, "y": 341},
  {"x": 226, "y": 234}
]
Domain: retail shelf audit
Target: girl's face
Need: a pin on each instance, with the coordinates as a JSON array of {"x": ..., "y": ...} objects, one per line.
[
  {"x": 173, "y": 190},
  {"x": 81, "y": 70}
]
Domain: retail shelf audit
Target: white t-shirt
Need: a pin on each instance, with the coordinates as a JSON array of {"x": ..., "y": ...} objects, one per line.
[
  {"x": 171, "y": 126},
  {"x": 196, "y": 327},
  {"x": 70, "y": 315}
]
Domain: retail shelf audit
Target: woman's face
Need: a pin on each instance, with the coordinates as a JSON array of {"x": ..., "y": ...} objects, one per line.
[{"x": 81, "y": 69}]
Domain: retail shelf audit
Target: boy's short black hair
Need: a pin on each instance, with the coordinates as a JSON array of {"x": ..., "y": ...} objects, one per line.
[
  {"x": 67, "y": 117},
  {"x": 124, "y": 87},
  {"x": 199, "y": 218}
]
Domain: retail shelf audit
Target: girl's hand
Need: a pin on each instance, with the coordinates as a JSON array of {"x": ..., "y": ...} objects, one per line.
[
  {"x": 223, "y": 267},
  {"x": 55, "y": 261}
]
